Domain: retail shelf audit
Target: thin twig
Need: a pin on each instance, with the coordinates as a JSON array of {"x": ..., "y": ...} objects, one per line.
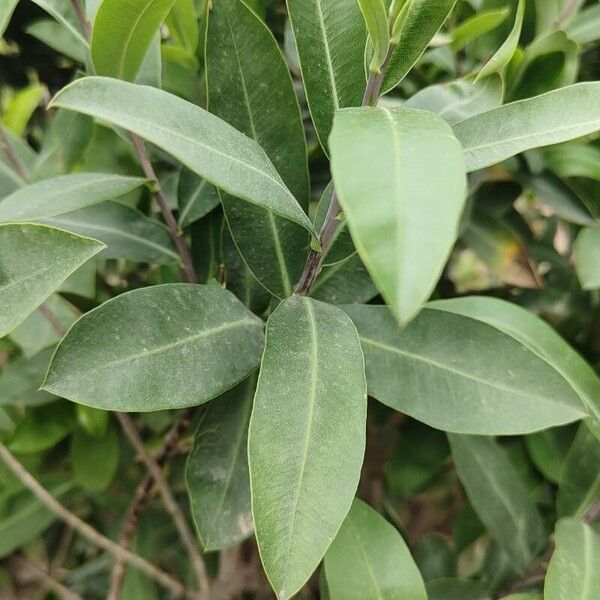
[
  {"x": 49, "y": 581},
  {"x": 141, "y": 495},
  {"x": 86, "y": 530},
  {"x": 174, "y": 230},
  {"x": 82, "y": 17},
  {"x": 314, "y": 262},
  {"x": 187, "y": 537},
  {"x": 54, "y": 321},
  {"x": 13, "y": 157}
]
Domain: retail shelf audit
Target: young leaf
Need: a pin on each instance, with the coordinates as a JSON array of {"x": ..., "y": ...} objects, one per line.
[
  {"x": 217, "y": 470},
  {"x": 388, "y": 199},
  {"x": 183, "y": 25},
  {"x": 116, "y": 356},
  {"x": 587, "y": 258},
  {"x": 478, "y": 25},
  {"x": 204, "y": 143},
  {"x": 458, "y": 374},
  {"x": 579, "y": 485},
  {"x": 500, "y": 497},
  {"x": 552, "y": 118},
  {"x": 369, "y": 559},
  {"x": 122, "y": 34},
  {"x": 503, "y": 56},
  {"x": 376, "y": 19},
  {"x": 306, "y": 439},
  {"x": 249, "y": 86},
  {"x": 126, "y": 232},
  {"x": 35, "y": 260},
  {"x": 330, "y": 36},
  {"x": 64, "y": 194},
  {"x": 422, "y": 20},
  {"x": 574, "y": 570}
]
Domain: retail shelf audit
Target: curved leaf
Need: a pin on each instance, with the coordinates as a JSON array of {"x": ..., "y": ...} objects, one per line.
[
  {"x": 306, "y": 439},
  {"x": 587, "y": 257},
  {"x": 388, "y": 199},
  {"x": 116, "y": 355},
  {"x": 34, "y": 261}
]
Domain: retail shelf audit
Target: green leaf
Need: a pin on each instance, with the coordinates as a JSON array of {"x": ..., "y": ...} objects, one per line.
[
  {"x": 422, "y": 20},
  {"x": 93, "y": 420},
  {"x": 536, "y": 336},
  {"x": 192, "y": 332},
  {"x": 587, "y": 258},
  {"x": 306, "y": 439},
  {"x": 64, "y": 12},
  {"x": 217, "y": 470},
  {"x": 21, "y": 106},
  {"x": 369, "y": 559},
  {"x": 9, "y": 180},
  {"x": 460, "y": 99},
  {"x": 330, "y": 36},
  {"x": 478, "y": 25},
  {"x": 504, "y": 55},
  {"x": 43, "y": 427},
  {"x": 574, "y": 160},
  {"x": 249, "y": 86},
  {"x": 376, "y": 19},
  {"x": 554, "y": 117},
  {"x": 574, "y": 570},
  {"x": 35, "y": 260},
  {"x": 6, "y": 12},
  {"x": 64, "y": 194},
  {"x": 58, "y": 38},
  {"x": 195, "y": 197},
  {"x": 126, "y": 232},
  {"x": 183, "y": 25},
  {"x": 122, "y": 34},
  {"x": 388, "y": 202},
  {"x": 456, "y": 589},
  {"x": 585, "y": 27},
  {"x": 95, "y": 459},
  {"x": 204, "y": 143},
  {"x": 548, "y": 450},
  {"x": 20, "y": 381},
  {"x": 27, "y": 520},
  {"x": 579, "y": 484},
  {"x": 500, "y": 497},
  {"x": 525, "y": 596},
  {"x": 458, "y": 374}
]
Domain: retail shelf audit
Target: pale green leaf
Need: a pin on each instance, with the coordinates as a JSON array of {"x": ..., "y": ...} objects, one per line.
[
  {"x": 330, "y": 36},
  {"x": 195, "y": 197},
  {"x": 369, "y": 559},
  {"x": 585, "y": 27},
  {"x": 64, "y": 12},
  {"x": 587, "y": 257},
  {"x": 500, "y": 497},
  {"x": 204, "y": 143},
  {"x": 478, "y": 25},
  {"x": 503, "y": 56},
  {"x": 35, "y": 260},
  {"x": 552, "y": 118},
  {"x": 58, "y": 38},
  {"x": 6, "y": 11},
  {"x": 217, "y": 470},
  {"x": 192, "y": 332},
  {"x": 574, "y": 570},
  {"x": 307, "y": 436},
  {"x": 64, "y": 194},
  {"x": 123, "y": 32},
  {"x": 459, "y": 374},
  {"x": 422, "y": 20},
  {"x": 393, "y": 169},
  {"x": 376, "y": 19}
]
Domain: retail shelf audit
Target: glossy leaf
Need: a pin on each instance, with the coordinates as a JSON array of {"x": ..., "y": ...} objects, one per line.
[
  {"x": 503, "y": 56},
  {"x": 249, "y": 86},
  {"x": 554, "y": 117},
  {"x": 574, "y": 570},
  {"x": 217, "y": 470},
  {"x": 422, "y": 20},
  {"x": 388, "y": 200},
  {"x": 122, "y": 34},
  {"x": 500, "y": 497},
  {"x": 306, "y": 439},
  {"x": 369, "y": 559},
  {"x": 458, "y": 374},
  {"x": 204, "y": 143},
  {"x": 35, "y": 260},
  {"x": 579, "y": 484},
  {"x": 460, "y": 99},
  {"x": 587, "y": 258},
  {"x": 126, "y": 232},
  {"x": 193, "y": 332},
  {"x": 330, "y": 36},
  {"x": 64, "y": 194}
]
